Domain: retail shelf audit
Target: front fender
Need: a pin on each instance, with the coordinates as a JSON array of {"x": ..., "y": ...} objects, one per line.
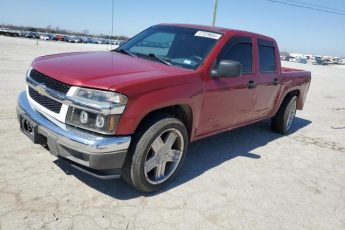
[{"x": 138, "y": 108}]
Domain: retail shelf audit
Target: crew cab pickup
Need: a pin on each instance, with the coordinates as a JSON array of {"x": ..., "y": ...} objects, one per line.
[{"x": 131, "y": 112}]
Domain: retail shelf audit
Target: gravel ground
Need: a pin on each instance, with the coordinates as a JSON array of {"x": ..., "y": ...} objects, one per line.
[{"x": 250, "y": 178}]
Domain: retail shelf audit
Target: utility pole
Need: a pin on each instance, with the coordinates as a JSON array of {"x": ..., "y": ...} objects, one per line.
[
  {"x": 112, "y": 24},
  {"x": 112, "y": 18},
  {"x": 214, "y": 12}
]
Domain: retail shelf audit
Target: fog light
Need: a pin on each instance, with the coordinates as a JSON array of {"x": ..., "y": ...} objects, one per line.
[
  {"x": 89, "y": 94},
  {"x": 83, "y": 117},
  {"x": 99, "y": 121}
]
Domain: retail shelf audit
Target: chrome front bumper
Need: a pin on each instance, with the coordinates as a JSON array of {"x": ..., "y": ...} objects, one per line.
[{"x": 94, "y": 151}]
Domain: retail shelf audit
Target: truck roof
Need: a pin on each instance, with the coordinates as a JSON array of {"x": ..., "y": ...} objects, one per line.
[{"x": 218, "y": 29}]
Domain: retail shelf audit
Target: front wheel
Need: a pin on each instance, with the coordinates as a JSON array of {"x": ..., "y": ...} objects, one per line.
[
  {"x": 282, "y": 121},
  {"x": 156, "y": 154}
]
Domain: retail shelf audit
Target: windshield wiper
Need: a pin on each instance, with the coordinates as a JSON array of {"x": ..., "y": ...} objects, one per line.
[
  {"x": 159, "y": 59},
  {"x": 123, "y": 51}
]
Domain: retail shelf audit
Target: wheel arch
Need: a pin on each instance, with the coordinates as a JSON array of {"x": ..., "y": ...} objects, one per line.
[
  {"x": 291, "y": 92},
  {"x": 182, "y": 112}
]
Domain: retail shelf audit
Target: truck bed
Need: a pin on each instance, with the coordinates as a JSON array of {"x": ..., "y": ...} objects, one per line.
[
  {"x": 291, "y": 70},
  {"x": 297, "y": 73}
]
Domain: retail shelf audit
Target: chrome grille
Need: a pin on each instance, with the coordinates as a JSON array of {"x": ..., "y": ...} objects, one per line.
[
  {"x": 46, "y": 102},
  {"x": 49, "y": 82}
]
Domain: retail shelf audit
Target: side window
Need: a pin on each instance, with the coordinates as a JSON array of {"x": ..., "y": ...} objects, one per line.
[
  {"x": 240, "y": 52},
  {"x": 267, "y": 56}
]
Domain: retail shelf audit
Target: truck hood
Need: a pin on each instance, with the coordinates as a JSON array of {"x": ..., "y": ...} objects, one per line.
[{"x": 102, "y": 70}]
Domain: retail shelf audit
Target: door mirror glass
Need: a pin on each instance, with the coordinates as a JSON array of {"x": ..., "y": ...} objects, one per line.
[{"x": 227, "y": 68}]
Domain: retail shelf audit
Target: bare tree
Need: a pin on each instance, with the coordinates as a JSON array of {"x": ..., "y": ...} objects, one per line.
[
  {"x": 58, "y": 30},
  {"x": 284, "y": 53},
  {"x": 49, "y": 28},
  {"x": 85, "y": 32}
]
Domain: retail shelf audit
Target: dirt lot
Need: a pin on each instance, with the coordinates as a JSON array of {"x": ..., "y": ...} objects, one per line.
[{"x": 250, "y": 178}]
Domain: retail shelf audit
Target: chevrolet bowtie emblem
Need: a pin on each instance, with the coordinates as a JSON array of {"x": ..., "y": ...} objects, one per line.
[{"x": 41, "y": 90}]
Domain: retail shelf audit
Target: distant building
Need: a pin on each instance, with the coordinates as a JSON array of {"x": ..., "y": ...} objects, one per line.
[{"x": 295, "y": 55}]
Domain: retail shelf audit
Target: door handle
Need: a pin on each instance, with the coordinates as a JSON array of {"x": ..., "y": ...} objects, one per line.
[
  {"x": 251, "y": 85},
  {"x": 275, "y": 81}
]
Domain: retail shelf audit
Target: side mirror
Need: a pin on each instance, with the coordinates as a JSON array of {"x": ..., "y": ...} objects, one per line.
[{"x": 227, "y": 68}]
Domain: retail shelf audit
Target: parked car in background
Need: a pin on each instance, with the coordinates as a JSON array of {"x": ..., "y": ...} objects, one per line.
[
  {"x": 51, "y": 36},
  {"x": 319, "y": 61},
  {"x": 84, "y": 39},
  {"x": 23, "y": 34},
  {"x": 107, "y": 41},
  {"x": 44, "y": 37},
  {"x": 58, "y": 37},
  {"x": 337, "y": 61},
  {"x": 8, "y": 32},
  {"x": 66, "y": 38},
  {"x": 72, "y": 39},
  {"x": 78, "y": 39},
  {"x": 99, "y": 41},
  {"x": 121, "y": 43},
  {"x": 33, "y": 35},
  {"x": 301, "y": 60},
  {"x": 91, "y": 41},
  {"x": 116, "y": 42}
]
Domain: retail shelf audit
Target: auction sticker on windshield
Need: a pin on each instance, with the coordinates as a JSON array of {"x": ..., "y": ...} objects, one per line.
[{"x": 207, "y": 34}]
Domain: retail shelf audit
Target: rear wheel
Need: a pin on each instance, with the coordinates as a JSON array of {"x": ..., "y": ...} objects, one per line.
[
  {"x": 156, "y": 153},
  {"x": 285, "y": 116}
]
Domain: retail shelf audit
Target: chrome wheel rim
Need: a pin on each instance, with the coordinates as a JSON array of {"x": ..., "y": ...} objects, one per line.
[
  {"x": 291, "y": 115},
  {"x": 164, "y": 156}
]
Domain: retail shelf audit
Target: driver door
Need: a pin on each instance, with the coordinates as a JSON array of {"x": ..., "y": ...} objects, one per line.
[{"x": 229, "y": 102}]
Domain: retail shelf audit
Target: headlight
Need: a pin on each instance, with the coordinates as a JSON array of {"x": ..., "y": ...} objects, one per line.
[
  {"x": 100, "y": 96},
  {"x": 97, "y": 111},
  {"x": 105, "y": 124}
]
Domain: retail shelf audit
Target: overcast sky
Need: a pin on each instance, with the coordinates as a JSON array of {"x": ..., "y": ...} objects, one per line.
[{"x": 295, "y": 29}]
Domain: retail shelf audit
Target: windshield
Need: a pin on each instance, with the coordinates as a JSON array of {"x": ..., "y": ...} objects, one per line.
[{"x": 170, "y": 45}]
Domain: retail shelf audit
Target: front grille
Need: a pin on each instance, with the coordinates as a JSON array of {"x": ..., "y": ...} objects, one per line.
[
  {"x": 46, "y": 102},
  {"x": 49, "y": 82}
]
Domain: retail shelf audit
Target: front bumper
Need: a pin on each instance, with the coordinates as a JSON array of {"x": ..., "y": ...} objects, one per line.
[{"x": 94, "y": 151}]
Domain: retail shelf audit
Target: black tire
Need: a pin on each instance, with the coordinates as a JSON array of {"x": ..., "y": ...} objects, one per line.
[
  {"x": 133, "y": 169},
  {"x": 279, "y": 122}
]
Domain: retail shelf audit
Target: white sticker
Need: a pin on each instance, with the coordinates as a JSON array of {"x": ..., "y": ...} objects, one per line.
[
  {"x": 207, "y": 34},
  {"x": 188, "y": 62}
]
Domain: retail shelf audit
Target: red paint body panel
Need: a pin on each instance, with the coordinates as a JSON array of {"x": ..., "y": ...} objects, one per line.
[
  {"x": 217, "y": 104},
  {"x": 101, "y": 70}
]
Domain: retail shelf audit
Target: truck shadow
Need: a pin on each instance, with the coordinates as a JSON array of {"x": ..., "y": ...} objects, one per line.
[{"x": 202, "y": 156}]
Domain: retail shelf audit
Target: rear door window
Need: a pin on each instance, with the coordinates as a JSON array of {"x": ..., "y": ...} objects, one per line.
[{"x": 267, "y": 56}]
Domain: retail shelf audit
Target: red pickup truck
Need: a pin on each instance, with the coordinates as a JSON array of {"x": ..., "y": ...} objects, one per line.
[{"x": 132, "y": 112}]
